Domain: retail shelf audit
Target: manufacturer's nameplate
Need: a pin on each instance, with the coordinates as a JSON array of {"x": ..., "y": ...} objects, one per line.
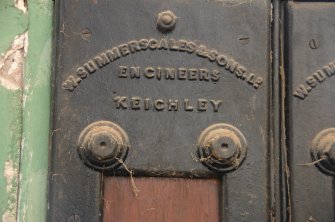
[
  {"x": 137, "y": 82},
  {"x": 125, "y": 49}
]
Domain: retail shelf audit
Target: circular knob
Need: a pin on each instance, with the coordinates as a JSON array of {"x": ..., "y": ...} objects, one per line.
[
  {"x": 222, "y": 148},
  {"x": 166, "y": 21},
  {"x": 323, "y": 151},
  {"x": 103, "y": 145}
]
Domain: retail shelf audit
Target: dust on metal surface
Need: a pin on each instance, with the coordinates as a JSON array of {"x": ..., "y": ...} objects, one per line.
[
  {"x": 163, "y": 71},
  {"x": 310, "y": 103}
]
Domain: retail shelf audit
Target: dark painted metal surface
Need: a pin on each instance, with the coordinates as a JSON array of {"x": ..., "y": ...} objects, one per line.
[
  {"x": 310, "y": 45},
  {"x": 114, "y": 63}
]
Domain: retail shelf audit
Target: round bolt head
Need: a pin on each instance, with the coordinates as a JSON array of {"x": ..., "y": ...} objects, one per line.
[
  {"x": 103, "y": 146},
  {"x": 331, "y": 153},
  {"x": 166, "y": 21},
  {"x": 223, "y": 147},
  {"x": 323, "y": 151}
]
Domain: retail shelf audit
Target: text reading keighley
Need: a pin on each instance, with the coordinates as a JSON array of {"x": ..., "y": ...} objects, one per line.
[{"x": 147, "y": 104}]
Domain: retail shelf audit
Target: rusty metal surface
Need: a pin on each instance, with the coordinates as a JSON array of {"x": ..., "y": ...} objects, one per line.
[
  {"x": 310, "y": 32},
  {"x": 116, "y": 62}
]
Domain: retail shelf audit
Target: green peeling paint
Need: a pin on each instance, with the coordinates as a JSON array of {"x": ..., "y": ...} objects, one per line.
[
  {"x": 12, "y": 23},
  {"x": 10, "y": 137},
  {"x": 24, "y": 115},
  {"x": 36, "y": 114}
]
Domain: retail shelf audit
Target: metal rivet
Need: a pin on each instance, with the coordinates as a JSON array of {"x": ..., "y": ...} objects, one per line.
[
  {"x": 103, "y": 145},
  {"x": 166, "y": 21},
  {"x": 222, "y": 148},
  {"x": 323, "y": 151}
]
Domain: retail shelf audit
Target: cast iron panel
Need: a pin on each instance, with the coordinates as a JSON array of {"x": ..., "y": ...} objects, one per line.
[
  {"x": 310, "y": 69},
  {"x": 115, "y": 62}
]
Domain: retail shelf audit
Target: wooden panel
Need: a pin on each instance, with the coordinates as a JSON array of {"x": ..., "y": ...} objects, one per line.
[{"x": 161, "y": 200}]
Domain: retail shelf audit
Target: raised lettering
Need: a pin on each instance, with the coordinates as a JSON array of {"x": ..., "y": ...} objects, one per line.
[
  {"x": 149, "y": 72},
  {"x": 170, "y": 73},
  {"x": 192, "y": 74},
  {"x": 90, "y": 66},
  {"x": 212, "y": 55},
  {"x": 202, "y": 51},
  {"x": 203, "y": 74},
  {"x": 311, "y": 81},
  {"x": 134, "y": 46},
  {"x": 231, "y": 66},
  {"x": 173, "y": 105},
  {"x": 216, "y": 104},
  {"x": 182, "y": 73},
  {"x": 147, "y": 103},
  {"x": 215, "y": 76},
  {"x": 239, "y": 71},
  {"x": 144, "y": 44},
  {"x": 187, "y": 105},
  {"x": 138, "y": 103},
  {"x": 121, "y": 102},
  {"x": 134, "y": 72},
  {"x": 70, "y": 84},
  {"x": 258, "y": 82},
  {"x": 135, "y": 103},
  {"x": 329, "y": 69},
  {"x": 81, "y": 72},
  {"x": 202, "y": 105},
  {"x": 221, "y": 60},
  {"x": 124, "y": 49},
  {"x": 101, "y": 60},
  {"x": 191, "y": 47},
  {"x": 113, "y": 54},
  {"x": 122, "y": 72},
  {"x": 301, "y": 92},
  {"x": 159, "y": 104},
  {"x": 159, "y": 73},
  {"x": 163, "y": 44},
  {"x": 250, "y": 79},
  {"x": 173, "y": 45},
  {"x": 319, "y": 75},
  {"x": 182, "y": 45},
  {"x": 153, "y": 44}
]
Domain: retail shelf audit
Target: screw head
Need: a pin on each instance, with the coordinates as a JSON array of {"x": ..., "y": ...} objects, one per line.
[
  {"x": 166, "y": 21},
  {"x": 314, "y": 44}
]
